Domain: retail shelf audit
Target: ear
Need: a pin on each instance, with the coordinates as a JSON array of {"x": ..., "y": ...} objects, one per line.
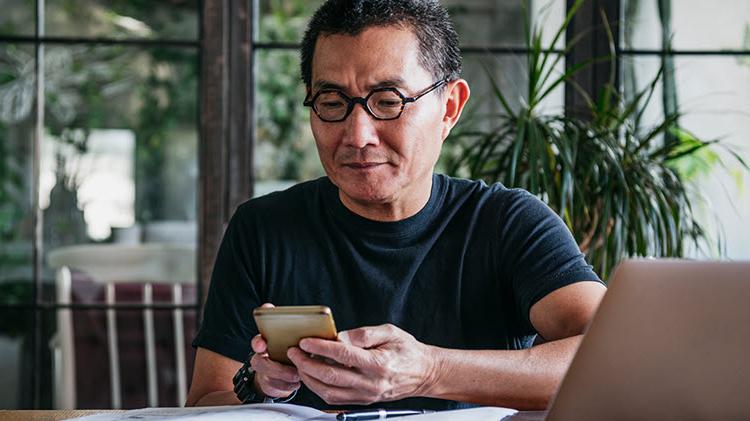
[{"x": 456, "y": 95}]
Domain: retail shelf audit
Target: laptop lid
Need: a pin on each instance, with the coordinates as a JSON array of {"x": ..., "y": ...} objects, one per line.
[{"x": 670, "y": 341}]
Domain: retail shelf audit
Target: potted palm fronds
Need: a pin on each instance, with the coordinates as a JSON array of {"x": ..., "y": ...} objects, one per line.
[{"x": 613, "y": 180}]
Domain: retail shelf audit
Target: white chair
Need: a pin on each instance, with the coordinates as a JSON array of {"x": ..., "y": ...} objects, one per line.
[{"x": 110, "y": 264}]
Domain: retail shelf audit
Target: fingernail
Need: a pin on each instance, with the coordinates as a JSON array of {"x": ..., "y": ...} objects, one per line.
[
  {"x": 303, "y": 344},
  {"x": 344, "y": 337}
]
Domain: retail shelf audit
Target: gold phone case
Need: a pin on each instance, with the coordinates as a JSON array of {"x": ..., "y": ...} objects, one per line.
[{"x": 283, "y": 327}]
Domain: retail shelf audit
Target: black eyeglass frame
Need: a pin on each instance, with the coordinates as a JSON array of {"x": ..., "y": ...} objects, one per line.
[{"x": 352, "y": 101}]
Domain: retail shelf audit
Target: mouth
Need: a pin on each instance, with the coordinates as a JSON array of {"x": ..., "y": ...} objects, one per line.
[{"x": 363, "y": 165}]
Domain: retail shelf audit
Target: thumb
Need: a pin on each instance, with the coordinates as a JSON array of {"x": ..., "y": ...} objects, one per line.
[{"x": 258, "y": 344}]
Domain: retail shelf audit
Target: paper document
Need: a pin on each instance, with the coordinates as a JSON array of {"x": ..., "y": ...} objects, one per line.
[
  {"x": 255, "y": 412},
  {"x": 284, "y": 412}
]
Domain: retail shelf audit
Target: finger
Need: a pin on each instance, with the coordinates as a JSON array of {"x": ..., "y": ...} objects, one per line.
[
  {"x": 259, "y": 344},
  {"x": 277, "y": 389},
  {"x": 369, "y": 336},
  {"x": 342, "y": 353},
  {"x": 331, "y": 394},
  {"x": 332, "y": 375},
  {"x": 273, "y": 370}
]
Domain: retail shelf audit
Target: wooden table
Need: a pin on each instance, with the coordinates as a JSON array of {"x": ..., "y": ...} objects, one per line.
[{"x": 51, "y": 415}]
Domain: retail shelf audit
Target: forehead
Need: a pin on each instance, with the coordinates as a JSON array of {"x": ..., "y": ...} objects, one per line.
[{"x": 376, "y": 54}]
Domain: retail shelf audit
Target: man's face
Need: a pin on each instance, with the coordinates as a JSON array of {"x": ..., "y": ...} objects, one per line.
[{"x": 376, "y": 162}]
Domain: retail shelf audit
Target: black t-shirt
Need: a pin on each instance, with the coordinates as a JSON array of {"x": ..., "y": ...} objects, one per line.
[{"x": 462, "y": 273}]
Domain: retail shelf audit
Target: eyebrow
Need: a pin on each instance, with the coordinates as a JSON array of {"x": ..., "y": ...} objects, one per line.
[{"x": 387, "y": 83}]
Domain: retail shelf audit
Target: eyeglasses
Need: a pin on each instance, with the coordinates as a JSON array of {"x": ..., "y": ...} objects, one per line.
[{"x": 382, "y": 104}]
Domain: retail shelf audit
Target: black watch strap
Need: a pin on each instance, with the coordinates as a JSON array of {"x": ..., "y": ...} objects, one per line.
[
  {"x": 245, "y": 389},
  {"x": 243, "y": 384}
]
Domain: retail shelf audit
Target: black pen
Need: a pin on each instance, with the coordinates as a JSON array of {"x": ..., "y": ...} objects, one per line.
[{"x": 379, "y": 414}]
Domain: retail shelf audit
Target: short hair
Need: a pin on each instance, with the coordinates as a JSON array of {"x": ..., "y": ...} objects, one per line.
[{"x": 430, "y": 22}]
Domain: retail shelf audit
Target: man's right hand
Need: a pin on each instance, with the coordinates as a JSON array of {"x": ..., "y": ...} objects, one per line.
[{"x": 272, "y": 378}]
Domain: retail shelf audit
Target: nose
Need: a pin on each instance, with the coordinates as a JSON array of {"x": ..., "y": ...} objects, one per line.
[{"x": 360, "y": 129}]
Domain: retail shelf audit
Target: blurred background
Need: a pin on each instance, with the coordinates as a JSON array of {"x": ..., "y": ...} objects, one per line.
[{"x": 130, "y": 130}]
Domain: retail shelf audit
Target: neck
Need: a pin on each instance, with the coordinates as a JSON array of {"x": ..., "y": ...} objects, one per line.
[{"x": 408, "y": 204}]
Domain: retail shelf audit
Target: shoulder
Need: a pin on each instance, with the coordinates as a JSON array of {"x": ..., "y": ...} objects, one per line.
[
  {"x": 507, "y": 217},
  {"x": 493, "y": 198},
  {"x": 519, "y": 203},
  {"x": 282, "y": 202},
  {"x": 281, "y": 208}
]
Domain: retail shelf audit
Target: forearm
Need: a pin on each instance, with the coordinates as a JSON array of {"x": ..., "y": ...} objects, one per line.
[
  {"x": 523, "y": 379},
  {"x": 222, "y": 397}
]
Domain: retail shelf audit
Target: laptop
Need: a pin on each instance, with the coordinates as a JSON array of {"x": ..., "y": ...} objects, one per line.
[{"x": 670, "y": 341}]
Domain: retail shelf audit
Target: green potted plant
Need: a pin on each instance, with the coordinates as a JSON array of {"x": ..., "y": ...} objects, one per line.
[{"x": 614, "y": 181}]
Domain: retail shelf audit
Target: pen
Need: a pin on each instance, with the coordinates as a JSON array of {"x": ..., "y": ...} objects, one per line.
[{"x": 378, "y": 414}]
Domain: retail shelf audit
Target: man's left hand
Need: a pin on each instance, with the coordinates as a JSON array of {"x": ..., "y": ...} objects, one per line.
[{"x": 368, "y": 364}]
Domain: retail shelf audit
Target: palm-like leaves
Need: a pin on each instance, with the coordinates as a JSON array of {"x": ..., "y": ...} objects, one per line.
[{"x": 611, "y": 180}]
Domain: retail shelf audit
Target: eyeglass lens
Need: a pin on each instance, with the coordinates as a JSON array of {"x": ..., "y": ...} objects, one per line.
[{"x": 382, "y": 104}]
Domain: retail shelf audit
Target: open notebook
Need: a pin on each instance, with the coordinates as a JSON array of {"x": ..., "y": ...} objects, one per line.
[{"x": 282, "y": 412}]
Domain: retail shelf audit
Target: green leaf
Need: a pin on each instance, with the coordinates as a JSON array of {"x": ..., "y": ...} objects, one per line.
[{"x": 621, "y": 188}]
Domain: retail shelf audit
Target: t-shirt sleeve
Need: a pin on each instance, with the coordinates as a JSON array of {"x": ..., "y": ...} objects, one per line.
[
  {"x": 228, "y": 325},
  {"x": 539, "y": 251}
]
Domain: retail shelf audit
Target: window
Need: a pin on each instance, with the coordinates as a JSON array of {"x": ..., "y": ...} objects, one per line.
[
  {"x": 706, "y": 53},
  {"x": 98, "y": 153}
]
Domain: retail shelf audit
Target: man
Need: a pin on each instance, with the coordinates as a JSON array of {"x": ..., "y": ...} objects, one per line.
[{"x": 439, "y": 285}]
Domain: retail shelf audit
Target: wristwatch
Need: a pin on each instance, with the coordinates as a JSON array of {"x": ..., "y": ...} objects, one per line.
[{"x": 245, "y": 390}]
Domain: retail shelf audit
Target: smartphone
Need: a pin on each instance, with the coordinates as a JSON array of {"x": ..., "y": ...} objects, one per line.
[{"x": 284, "y": 326}]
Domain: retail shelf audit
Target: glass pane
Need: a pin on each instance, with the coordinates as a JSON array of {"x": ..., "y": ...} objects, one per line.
[
  {"x": 15, "y": 363},
  {"x": 17, "y": 120},
  {"x": 18, "y": 17},
  {"x": 696, "y": 24},
  {"x": 119, "y": 160},
  {"x": 284, "y": 20},
  {"x": 285, "y": 150},
  {"x": 482, "y": 23},
  {"x": 711, "y": 92},
  {"x": 176, "y": 19}
]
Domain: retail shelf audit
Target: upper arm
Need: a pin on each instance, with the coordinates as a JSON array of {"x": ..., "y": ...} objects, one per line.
[
  {"x": 566, "y": 311},
  {"x": 545, "y": 266},
  {"x": 212, "y": 372}
]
